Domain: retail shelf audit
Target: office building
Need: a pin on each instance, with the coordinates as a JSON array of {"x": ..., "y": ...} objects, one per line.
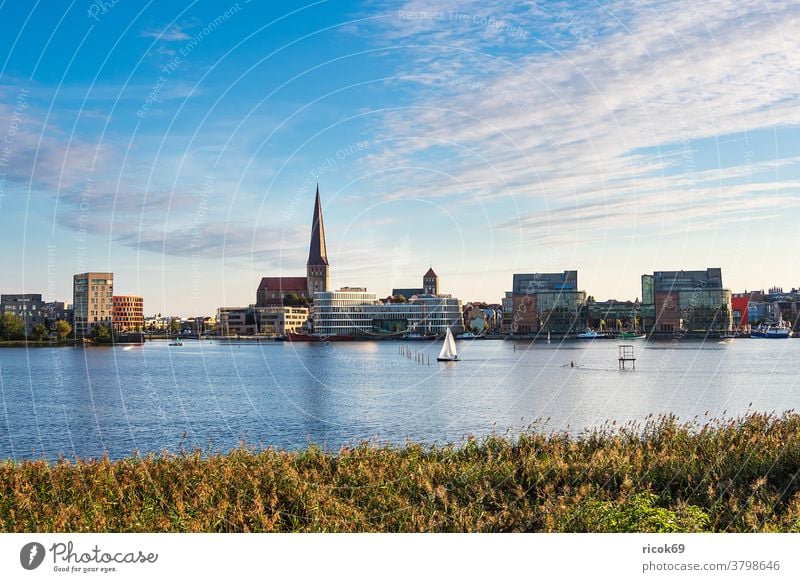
[
  {"x": 92, "y": 300},
  {"x": 692, "y": 302},
  {"x": 544, "y": 302},
  {"x": 353, "y": 311},
  {"x": 254, "y": 320},
  {"x": 128, "y": 313},
  {"x": 27, "y": 306}
]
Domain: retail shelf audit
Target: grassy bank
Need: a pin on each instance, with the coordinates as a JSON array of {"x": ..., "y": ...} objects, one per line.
[
  {"x": 665, "y": 476},
  {"x": 35, "y": 343}
]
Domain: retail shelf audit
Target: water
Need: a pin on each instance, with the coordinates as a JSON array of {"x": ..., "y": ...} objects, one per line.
[{"x": 94, "y": 401}]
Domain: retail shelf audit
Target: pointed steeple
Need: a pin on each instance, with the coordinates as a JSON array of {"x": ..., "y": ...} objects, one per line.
[{"x": 317, "y": 252}]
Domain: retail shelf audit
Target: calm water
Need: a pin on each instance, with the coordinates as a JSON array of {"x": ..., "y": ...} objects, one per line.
[{"x": 86, "y": 402}]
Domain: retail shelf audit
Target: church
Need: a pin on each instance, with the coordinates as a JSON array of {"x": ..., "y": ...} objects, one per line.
[{"x": 272, "y": 290}]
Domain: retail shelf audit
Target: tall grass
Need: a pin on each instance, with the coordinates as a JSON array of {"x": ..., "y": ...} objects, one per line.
[{"x": 738, "y": 475}]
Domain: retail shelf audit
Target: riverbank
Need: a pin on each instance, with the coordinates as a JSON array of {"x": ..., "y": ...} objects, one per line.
[
  {"x": 666, "y": 476},
  {"x": 37, "y": 344}
]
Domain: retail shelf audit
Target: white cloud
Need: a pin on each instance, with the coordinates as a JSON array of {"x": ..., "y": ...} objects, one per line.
[
  {"x": 560, "y": 123},
  {"x": 169, "y": 34}
]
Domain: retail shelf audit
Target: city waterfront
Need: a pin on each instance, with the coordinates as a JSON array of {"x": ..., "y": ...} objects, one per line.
[{"x": 85, "y": 402}]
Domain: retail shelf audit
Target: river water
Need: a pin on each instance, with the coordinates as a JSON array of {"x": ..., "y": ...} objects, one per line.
[{"x": 86, "y": 402}]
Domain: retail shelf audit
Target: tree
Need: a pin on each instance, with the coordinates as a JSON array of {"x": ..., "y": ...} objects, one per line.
[
  {"x": 174, "y": 325},
  {"x": 101, "y": 334},
  {"x": 40, "y": 333},
  {"x": 294, "y": 300},
  {"x": 399, "y": 299},
  {"x": 12, "y": 327},
  {"x": 63, "y": 329}
]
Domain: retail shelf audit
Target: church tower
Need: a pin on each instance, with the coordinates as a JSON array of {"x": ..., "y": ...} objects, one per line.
[
  {"x": 317, "y": 268},
  {"x": 430, "y": 282}
]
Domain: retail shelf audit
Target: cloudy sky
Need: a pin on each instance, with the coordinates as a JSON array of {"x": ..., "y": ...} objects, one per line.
[{"x": 178, "y": 144}]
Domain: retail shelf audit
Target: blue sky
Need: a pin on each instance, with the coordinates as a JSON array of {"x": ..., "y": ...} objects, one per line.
[{"x": 178, "y": 144}]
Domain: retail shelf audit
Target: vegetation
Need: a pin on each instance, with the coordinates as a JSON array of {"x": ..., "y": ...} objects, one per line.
[
  {"x": 39, "y": 333},
  {"x": 294, "y": 300},
  {"x": 12, "y": 327},
  {"x": 102, "y": 334},
  {"x": 664, "y": 476},
  {"x": 63, "y": 329}
]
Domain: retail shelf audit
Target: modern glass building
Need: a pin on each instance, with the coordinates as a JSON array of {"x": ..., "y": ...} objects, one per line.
[
  {"x": 357, "y": 312},
  {"x": 544, "y": 302},
  {"x": 692, "y": 302}
]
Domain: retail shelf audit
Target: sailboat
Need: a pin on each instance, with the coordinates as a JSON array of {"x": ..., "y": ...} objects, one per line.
[
  {"x": 449, "y": 352},
  {"x": 548, "y": 336}
]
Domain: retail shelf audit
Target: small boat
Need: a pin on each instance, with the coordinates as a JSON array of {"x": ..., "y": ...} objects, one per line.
[
  {"x": 466, "y": 335},
  {"x": 449, "y": 352},
  {"x": 589, "y": 334},
  {"x": 176, "y": 342},
  {"x": 772, "y": 332},
  {"x": 548, "y": 336},
  {"x": 631, "y": 335}
]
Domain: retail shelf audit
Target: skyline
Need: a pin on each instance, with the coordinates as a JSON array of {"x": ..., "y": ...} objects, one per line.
[{"x": 180, "y": 148}]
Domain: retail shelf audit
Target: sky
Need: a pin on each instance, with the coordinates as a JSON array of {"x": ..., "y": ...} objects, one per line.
[{"x": 179, "y": 144}]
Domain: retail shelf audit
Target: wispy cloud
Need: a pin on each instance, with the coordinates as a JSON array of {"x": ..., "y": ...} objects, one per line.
[
  {"x": 170, "y": 34},
  {"x": 270, "y": 245},
  {"x": 558, "y": 123}
]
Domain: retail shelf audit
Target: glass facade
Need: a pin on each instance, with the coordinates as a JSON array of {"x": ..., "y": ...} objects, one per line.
[{"x": 356, "y": 312}]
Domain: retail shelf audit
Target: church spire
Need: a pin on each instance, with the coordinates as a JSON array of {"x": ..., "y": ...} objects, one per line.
[{"x": 317, "y": 252}]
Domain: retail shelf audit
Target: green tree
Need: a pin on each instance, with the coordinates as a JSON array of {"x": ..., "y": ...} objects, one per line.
[
  {"x": 63, "y": 329},
  {"x": 174, "y": 326},
  {"x": 101, "y": 334},
  {"x": 399, "y": 299},
  {"x": 12, "y": 327},
  {"x": 294, "y": 300},
  {"x": 40, "y": 333}
]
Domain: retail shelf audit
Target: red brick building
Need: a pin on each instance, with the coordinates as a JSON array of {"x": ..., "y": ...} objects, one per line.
[
  {"x": 128, "y": 313},
  {"x": 272, "y": 290}
]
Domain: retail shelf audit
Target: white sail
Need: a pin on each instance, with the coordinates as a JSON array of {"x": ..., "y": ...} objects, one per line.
[{"x": 449, "y": 351}]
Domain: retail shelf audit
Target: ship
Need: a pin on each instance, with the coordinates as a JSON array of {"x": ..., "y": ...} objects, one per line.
[
  {"x": 304, "y": 337},
  {"x": 772, "y": 332}
]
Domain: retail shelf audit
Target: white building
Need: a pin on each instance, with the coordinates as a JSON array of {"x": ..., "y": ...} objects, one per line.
[{"x": 353, "y": 311}]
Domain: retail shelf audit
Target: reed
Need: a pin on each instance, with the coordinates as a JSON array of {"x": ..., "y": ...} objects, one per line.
[{"x": 660, "y": 476}]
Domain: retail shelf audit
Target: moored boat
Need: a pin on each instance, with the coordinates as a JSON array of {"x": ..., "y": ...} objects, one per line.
[
  {"x": 304, "y": 337},
  {"x": 631, "y": 335},
  {"x": 588, "y": 334},
  {"x": 772, "y": 332}
]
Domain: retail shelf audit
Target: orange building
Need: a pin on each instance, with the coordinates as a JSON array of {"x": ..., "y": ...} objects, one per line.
[{"x": 128, "y": 313}]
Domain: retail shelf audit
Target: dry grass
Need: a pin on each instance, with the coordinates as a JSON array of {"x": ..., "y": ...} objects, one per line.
[{"x": 737, "y": 475}]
